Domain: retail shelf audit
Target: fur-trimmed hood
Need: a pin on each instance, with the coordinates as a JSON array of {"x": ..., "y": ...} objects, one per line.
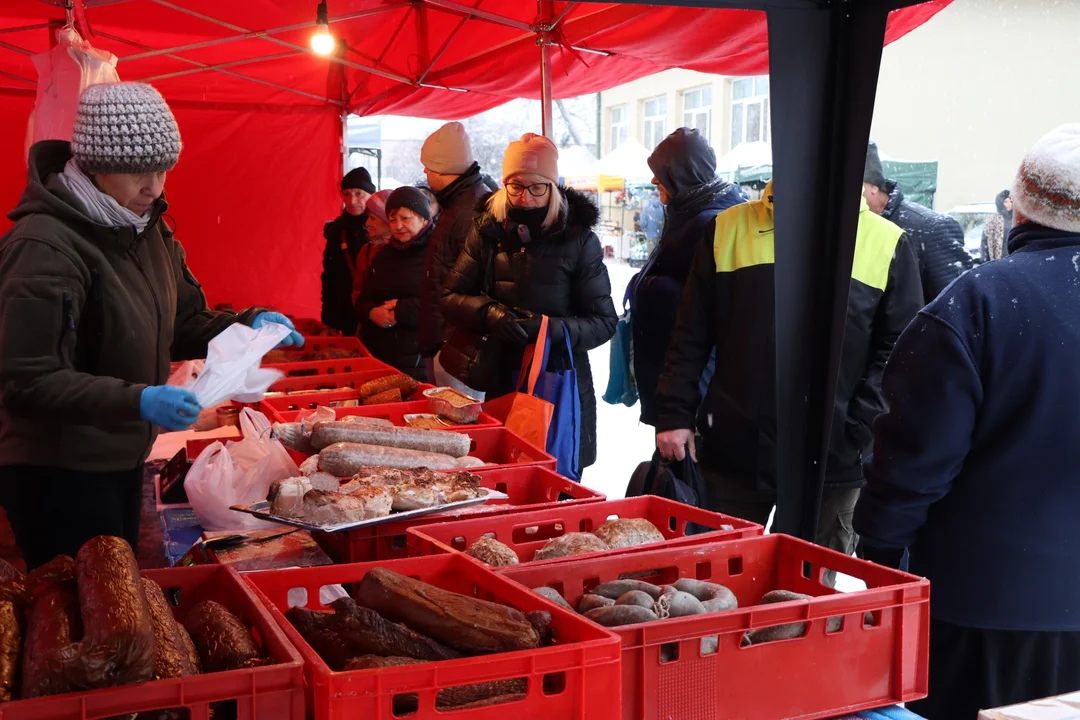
[{"x": 579, "y": 213}]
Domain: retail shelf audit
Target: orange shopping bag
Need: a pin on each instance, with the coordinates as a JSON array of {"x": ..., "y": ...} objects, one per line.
[{"x": 523, "y": 412}]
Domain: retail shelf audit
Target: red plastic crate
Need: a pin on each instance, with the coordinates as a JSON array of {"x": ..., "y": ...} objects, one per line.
[
  {"x": 310, "y": 368},
  {"x": 530, "y": 487},
  {"x": 394, "y": 412},
  {"x": 275, "y": 692},
  {"x": 331, "y": 395},
  {"x": 563, "y": 679},
  {"x": 821, "y": 674},
  {"x": 324, "y": 343},
  {"x": 527, "y": 532}
]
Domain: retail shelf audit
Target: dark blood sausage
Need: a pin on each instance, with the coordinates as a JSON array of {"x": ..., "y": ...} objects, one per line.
[
  {"x": 53, "y": 625},
  {"x": 173, "y": 660},
  {"x": 14, "y": 601},
  {"x": 222, "y": 640},
  {"x": 118, "y": 645}
]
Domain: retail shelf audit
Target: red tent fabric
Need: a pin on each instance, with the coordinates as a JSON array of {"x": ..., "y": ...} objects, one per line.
[{"x": 260, "y": 115}]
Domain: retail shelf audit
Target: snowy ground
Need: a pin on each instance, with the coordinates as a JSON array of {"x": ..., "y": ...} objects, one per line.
[{"x": 623, "y": 441}]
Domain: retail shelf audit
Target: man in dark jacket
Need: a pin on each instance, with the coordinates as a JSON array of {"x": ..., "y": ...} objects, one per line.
[
  {"x": 684, "y": 170},
  {"x": 728, "y": 305},
  {"x": 456, "y": 180},
  {"x": 97, "y": 299},
  {"x": 938, "y": 240},
  {"x": 974, "y": 468},
  {"x": 345, "y": 236}
]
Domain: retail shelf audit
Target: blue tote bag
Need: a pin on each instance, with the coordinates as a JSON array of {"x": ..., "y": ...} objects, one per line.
[{"x": 560, "y": 388}]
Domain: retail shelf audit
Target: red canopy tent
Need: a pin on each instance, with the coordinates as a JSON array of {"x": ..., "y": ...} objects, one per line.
[{"x": 261, "y": 115}]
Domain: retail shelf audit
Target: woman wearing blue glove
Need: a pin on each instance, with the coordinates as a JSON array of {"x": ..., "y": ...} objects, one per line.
[{"x": 97, "y": 299}]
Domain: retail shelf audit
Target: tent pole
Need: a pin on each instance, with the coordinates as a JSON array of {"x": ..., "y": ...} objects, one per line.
[
  {"x": 823, "y": 66},
  {"x": 546, "y": 10}
]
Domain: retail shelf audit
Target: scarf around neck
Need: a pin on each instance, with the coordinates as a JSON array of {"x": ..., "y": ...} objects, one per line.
[{"x": 100, "y": 207}]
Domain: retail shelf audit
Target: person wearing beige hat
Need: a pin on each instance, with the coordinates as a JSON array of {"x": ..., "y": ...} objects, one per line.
[
  {"x": 532, "y": 252},
  {"x": 454, "y": 177},
  {"x": 97, "y": 298}
]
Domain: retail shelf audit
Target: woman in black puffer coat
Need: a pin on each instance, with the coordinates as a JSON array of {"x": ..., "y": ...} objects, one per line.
[
  {"x": 387, "y": 292},
  {"x": 544, "y": 259}
]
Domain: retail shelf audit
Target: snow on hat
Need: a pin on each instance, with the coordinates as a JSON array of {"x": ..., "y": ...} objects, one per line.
[
  {"x": 873, "y": 172},
  {"x": 1047, "y": 187},
  {"x": 447, "y": 151},
  {"x": 532, "y": 155},
  {"x": 124, "y": 128},
  {"x": 376, "y": 204},
  {"x": 358, "y": 179},
  {"x": 409, "y": 197}
]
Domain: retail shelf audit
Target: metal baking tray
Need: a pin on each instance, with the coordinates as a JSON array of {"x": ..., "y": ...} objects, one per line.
[{"x": 261, "y": 510}]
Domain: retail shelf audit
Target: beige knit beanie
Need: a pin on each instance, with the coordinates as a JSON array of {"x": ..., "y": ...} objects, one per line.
[
  {"x": 447, "y": 150},
  {"x": 124, "y": 128},
  {"x": 532, "y": 154},
  {"x": 1047, "y": 187}
]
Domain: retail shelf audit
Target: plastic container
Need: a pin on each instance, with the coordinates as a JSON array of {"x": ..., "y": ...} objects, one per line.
[
  {"x": 394, "y": 412},
  {"x": 529, "y": 487},
  {"x": 275, "y": 692},
  {"x": 693, "y": 668},
  {"x": 527, "y": 532},
  {"x": 329, "y": 343},
  {"x": 453, "y": 404},
  {"x": 562, "y": 679},
  {"x": 336, "y": 390},
  {"x": 306, "y": 368}
]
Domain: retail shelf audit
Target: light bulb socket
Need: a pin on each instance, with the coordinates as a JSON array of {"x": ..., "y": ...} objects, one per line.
[{"x": 322, "y": 16}]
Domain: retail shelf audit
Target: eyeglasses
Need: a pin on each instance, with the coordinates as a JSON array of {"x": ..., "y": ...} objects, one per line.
[{"x": 536, "y": 189}]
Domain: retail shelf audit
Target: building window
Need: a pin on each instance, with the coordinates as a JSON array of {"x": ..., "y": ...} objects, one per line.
[
  {"x": 655, "y": 114},
  {"x": 750, "y": 110},
  {"x": 697, "y": 110},
  {"x": 620, "y": 127}
]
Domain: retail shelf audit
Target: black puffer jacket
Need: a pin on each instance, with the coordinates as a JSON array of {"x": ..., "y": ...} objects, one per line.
[
  {"x": 561, "y": 275},
  {"x": 337, "y": 277},
  {"x": 937, "y": 239},
  {"x": 457, "y": 202},
  {"x": 392, "y": 272}
]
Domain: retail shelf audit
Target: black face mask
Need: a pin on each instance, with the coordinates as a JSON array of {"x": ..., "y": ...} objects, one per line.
[{"x": 532, "y": 217}]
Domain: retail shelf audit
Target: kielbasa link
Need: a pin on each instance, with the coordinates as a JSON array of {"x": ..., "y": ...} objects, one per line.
[
  {"x": 173, "y": 660},
  {"x": 435, "y": 441},
  {"x": 53, "y": 625},
  {"x": 346, "y": 459},
  {"x": 223, "y": 641}
]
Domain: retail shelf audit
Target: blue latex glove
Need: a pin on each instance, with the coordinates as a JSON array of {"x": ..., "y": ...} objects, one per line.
[
  {"x": 169, "y": 407},
  {"x": 293, "y": 338}
]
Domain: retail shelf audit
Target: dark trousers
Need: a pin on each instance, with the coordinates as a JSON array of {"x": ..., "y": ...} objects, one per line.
[
  {"x": 53, "y": 512},
  {"x": 973, "y": 669},
  {"x": 738, "y": 498}
]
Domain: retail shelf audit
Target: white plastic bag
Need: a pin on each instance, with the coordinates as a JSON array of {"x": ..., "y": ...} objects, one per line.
[
  {"x": 238, "y": 473},
  {"x": 187, "y": 372},
  {"x": 64, "y": 71},
  {"x": 232, "y": 371}
]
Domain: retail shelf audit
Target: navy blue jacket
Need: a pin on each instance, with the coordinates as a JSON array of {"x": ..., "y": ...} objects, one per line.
[
  {"x": 976, "y": 466},
  {"x": 656, "y": 290}
]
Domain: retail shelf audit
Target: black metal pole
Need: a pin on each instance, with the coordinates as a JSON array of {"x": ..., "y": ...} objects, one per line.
[{"x": 824, "y": 64}]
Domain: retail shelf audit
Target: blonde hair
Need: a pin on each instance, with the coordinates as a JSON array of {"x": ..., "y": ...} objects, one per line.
[{"x": 499, "y": 205}]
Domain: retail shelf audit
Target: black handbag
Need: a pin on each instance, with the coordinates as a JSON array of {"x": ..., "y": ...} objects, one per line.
[
  {"x": 678, "y": 481},
  {"x": 476, "y": 359}
]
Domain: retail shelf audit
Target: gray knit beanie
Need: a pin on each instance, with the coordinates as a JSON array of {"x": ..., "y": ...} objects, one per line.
[{"x": 124, "y": 128}]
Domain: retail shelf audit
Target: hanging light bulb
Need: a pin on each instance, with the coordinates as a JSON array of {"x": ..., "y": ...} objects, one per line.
[{"x": 322, "y": 41}]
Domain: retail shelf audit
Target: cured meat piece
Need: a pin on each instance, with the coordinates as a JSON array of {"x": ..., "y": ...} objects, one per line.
[
  {"x": 541, "y": 622},
  {"x": 287, "y": 496},
  {"x": 437, "y": 441},
  {"x": 361, "y": 420},
  {"x": 189, "y": 648},
  {"x": 310, "y": 466},
  {"x": 404, "y": 384},
  {"x": 117, "y": 647},
  {"x": 60, "y": 569},
  {"x": 454, "y": 697},
  {"x": 344, "y": 459},
  {"x": 14, "y": 601},
  {"x": 53, "y": 625},
  {"x": 370, "y": 633},
  {"x": 324, "y": 481},
  {"x": 575, "y": 543},
  {"x": 390, "y": 396},
  {"x": 10, "y": 572},
  {"x": 328, "y": 508},
  {"x": 172, "y": 660},
  {"x": 475, "y": 627},
  {"x": 221, "y": 639},
  {"x": 553, "y": 595},
  {"x": 628, "y": 532},
  {"x": 491, "y": 551},
  {"x": 378, "y": 501}
]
